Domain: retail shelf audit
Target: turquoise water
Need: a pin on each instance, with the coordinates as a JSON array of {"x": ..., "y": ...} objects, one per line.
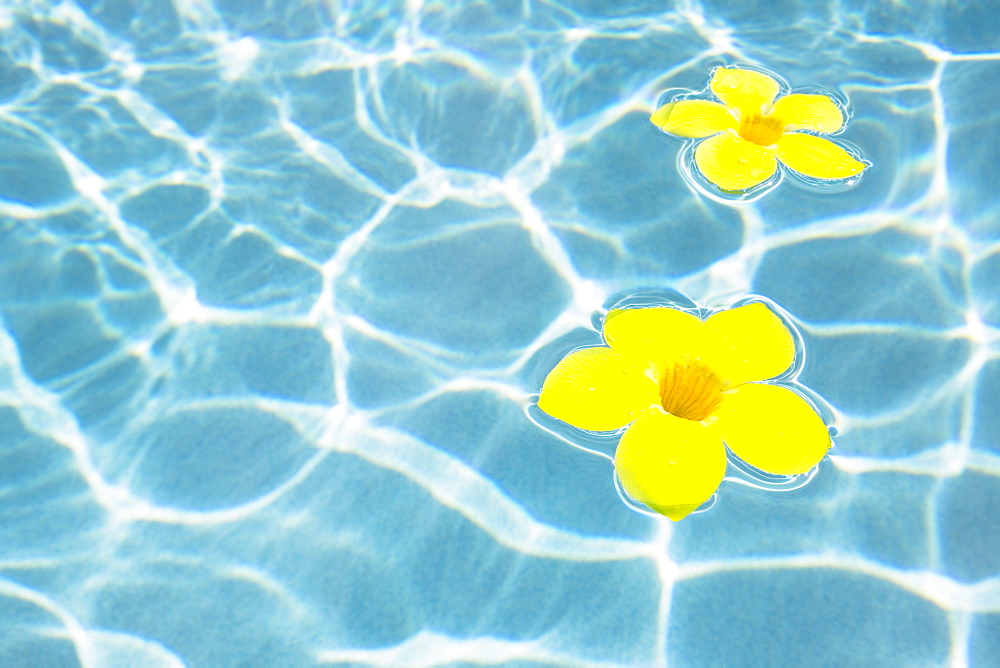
[{"x": 279, "y": 283}]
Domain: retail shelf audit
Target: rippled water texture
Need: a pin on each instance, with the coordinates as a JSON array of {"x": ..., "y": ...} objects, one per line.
[{"x": 278, "y": 282}]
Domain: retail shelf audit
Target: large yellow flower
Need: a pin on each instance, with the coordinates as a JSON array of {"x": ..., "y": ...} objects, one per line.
[
  {"x": 749, "y": 132},
  {"x": 685, "y": 386}
]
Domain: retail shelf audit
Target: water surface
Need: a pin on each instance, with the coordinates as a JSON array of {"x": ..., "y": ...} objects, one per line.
[{"x": 279, "y": 280}]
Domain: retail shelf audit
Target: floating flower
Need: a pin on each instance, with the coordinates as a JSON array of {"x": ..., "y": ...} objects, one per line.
[
  {"x": 749, "y": 132},
  {"x": 687, "y": 388}
]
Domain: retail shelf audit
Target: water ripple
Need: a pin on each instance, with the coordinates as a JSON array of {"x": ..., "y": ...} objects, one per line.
[{"x": 278, "y": 285}]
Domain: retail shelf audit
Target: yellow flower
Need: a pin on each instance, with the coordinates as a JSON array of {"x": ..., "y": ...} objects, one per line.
[
  {"x": 749, "y": 132},
  {"x": 686, "y": 387}
]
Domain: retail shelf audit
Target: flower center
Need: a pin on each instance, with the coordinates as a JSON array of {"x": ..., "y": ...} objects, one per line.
[
  {"x": 690, "y": 391},
  {"x": 759, "y": 129}
]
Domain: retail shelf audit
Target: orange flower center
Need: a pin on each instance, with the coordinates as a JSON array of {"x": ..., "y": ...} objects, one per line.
[
  {"x": 690, "y": 391},
  {"x": 759, "y": 129}
]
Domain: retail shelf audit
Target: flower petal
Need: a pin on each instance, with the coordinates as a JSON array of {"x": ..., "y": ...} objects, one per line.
[
  {"x": 670, "y": 464},
  {"x": 749, "y": 91},
  {"x": 660, "y": 332},
  {"x": 597, "y": 389},
  {"x": 750, "y": 343},
  {"x": 772, "y": 428},
  {"x": 808, "y": 112},
  {"x": 733, "y": 163},
  {"x": 693, "y": 118},
  {"x": 817, "y": 157}
]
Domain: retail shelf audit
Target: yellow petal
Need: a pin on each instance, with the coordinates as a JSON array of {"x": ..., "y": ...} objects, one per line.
[
  {"x": 808, "y": 112},
  {"x": 817, "y": 157},
  {"x": 772, "y": 428},
  {"x": 749, "y": 91},
  {"x": 596, "y": 389},
  {"x": 693, "y": 118},
  {"x": 733, "y": 163},
  {"x": 750, "y": 343},
  {"x": 670, "y": 464},
  {"x": 655, "y": 333}
]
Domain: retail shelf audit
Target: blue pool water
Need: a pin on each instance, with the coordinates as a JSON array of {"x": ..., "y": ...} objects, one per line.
[{"x": 279, "y": 282}]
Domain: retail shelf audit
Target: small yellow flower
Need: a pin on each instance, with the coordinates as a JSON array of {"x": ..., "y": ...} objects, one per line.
[
  {"x": 749, "y": 132},
  {"x": 687, "y": 388}
]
